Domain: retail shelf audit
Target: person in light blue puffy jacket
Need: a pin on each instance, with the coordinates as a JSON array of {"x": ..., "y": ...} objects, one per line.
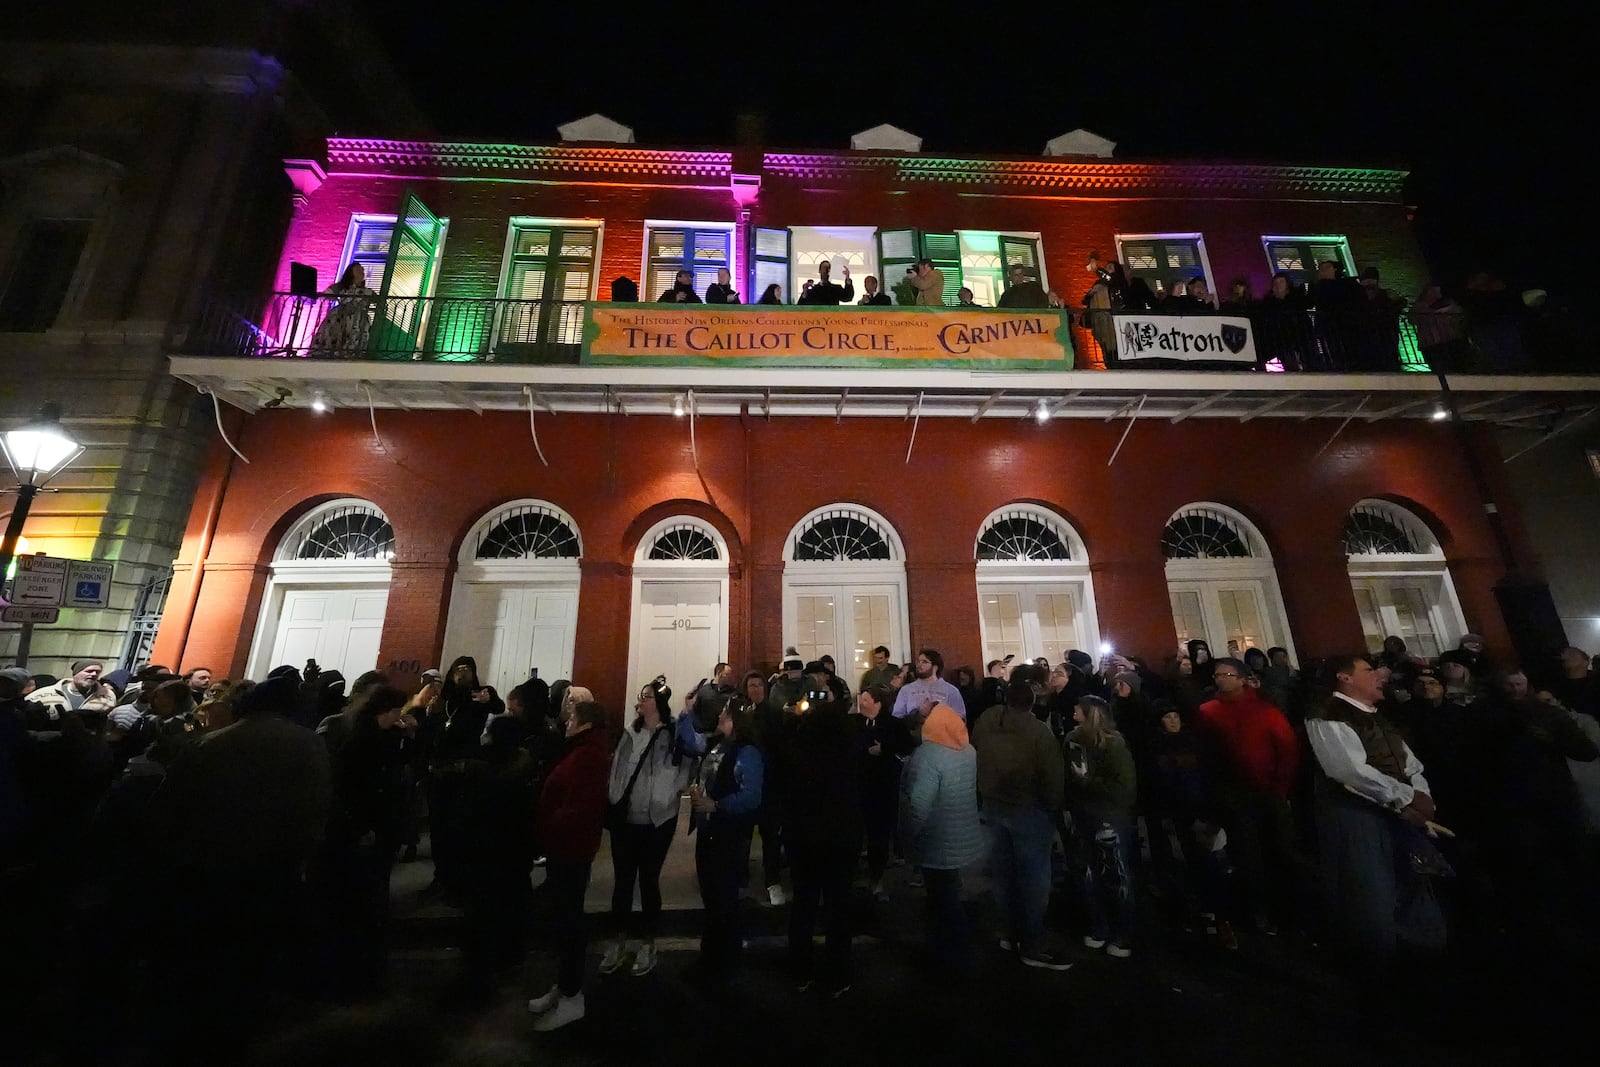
[{"x": 939, "y": 825}]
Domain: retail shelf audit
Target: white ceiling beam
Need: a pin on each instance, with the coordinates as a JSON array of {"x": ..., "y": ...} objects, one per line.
[
  {"x": 461, "y": 399},
  {"x": 989, "y": 402},
  {"x": 1271, "y": 405},
  {"x": 1209, "y": 401}
]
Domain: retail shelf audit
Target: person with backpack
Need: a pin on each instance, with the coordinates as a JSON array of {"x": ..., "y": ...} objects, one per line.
[{"x": 648, "y": 775}]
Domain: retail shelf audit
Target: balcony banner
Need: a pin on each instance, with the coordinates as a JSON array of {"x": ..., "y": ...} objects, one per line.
[
  {"x": 1189, "y": 338},
  {"x": 847, "y": 336}
]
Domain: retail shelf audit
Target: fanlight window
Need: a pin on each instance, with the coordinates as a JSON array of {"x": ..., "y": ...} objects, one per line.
[
  {"x": 357, "y": 531},
  {"x": 529, "y": 531},
  {"x": 684, "y": 542},
  {"x": 1372, "y": 531},
  {"x": 1202, "y": 533},
  {"x": 842, "y": 535},
  {"x": 1019, "y": 536}
]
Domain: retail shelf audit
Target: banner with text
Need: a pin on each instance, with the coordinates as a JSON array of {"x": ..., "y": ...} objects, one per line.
[
  {"x": 848, "y": 336},
  {"x": 1193, "y": 338}
]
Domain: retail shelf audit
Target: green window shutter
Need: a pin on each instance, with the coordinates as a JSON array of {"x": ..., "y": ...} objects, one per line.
[
  {"x": 550, "y": 276},
  {"x": 897, "y": 250},
  {"x": 945, "y": 251},
  {"x": 407, "y": 275},
  {"x": 770, "y": 263}
]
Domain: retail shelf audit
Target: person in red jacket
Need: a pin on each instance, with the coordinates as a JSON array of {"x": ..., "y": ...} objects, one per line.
[
  {"x": 568, "y": 823},
  {"x": 1256, "y": 755}
]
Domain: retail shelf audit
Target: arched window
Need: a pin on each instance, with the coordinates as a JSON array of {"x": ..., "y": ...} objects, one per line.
[
  {"x": 514, "y": 602},
  {"x": 1017, "y": 535},
  {"x": 1221, "y": 581},
  {"x": 528, "y": 530},
  {"x": 683, "y": 541},
  {"x": 1400, "y": 579},
  {"x": 327, "y": 592},
  {"x": 1035, "y": 594},
  {"x": 1378, "y": 528},
  {"x": 844, "y": 587},
  {"x": 1202, "y": 532},
  {"x": 840, "y": 534},
  {"x": 343, "y": 530}
]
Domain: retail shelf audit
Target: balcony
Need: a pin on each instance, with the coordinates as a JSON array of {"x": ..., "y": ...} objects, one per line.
[
  {"x": 480, "y": 330},
  {"x": 430, "y": 329}
]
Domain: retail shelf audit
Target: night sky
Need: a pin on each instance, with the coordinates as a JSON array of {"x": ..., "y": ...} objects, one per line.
[{"x": 1484, "y": 112}]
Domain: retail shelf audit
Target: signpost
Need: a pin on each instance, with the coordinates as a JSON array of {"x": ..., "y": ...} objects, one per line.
[{"x": 45, "y": 584}]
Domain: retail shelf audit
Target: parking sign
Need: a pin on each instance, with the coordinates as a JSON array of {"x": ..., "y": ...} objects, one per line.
[{"x": 88, "y": 584}]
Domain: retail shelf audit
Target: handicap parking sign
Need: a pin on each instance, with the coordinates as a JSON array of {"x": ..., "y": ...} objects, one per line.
[{"x": 86, "y": 591}]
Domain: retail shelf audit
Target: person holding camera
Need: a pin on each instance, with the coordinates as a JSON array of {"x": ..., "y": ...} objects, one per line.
[
  {"x": 928, "y": 281},
  {"x": 648, "y": 774},
  {"x": 828, "y": 292}
]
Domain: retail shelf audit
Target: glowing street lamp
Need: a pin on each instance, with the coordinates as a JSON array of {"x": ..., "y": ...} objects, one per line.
[{"x": 37, "y": 452}]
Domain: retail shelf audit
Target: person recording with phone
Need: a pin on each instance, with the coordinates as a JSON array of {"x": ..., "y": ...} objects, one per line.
[{"x": 449, "y": 735}]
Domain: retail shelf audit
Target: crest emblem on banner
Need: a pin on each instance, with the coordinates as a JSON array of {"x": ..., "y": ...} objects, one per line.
[{"x": 1234, "y": 337}]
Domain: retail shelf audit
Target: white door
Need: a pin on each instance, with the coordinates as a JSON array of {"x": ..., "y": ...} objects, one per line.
[
  {"x": 338, "y": 626},
  {"x": 1229, "y": 615},
  {"x": 1027, "y": 621},
  {"x": 508, "y": 627},
  {"x": 845, "y": 622},
  {"x": 1404, "y": 607},
  {"x": 678, "y": 633}
]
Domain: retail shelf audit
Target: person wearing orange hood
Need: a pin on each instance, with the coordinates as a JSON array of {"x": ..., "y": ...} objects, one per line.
[{"x": 939, "y": 824}]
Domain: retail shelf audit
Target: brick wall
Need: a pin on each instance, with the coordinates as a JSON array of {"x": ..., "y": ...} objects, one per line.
[{"x": 439, "y": 472}]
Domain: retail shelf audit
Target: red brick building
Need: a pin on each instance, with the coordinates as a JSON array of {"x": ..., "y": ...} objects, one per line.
[{"x": 472, "y": 480}]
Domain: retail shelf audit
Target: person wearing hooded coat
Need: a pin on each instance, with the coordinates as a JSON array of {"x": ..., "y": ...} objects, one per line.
[
  {"x": 449, "y": 734},
  {"x": 939, "y": 823}
]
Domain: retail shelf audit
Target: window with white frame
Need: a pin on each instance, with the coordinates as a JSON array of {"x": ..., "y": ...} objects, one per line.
[
  {"x": 1221, "y": 581},
  {"x": 549, "y": 272},
  {"x": 1035, "y": 595},
  {"x": 1161, "y": 259},
  {"x": 1400, "y": 580},
  {"x": 367, "y": 244},
  {"x": 844, "y": 587},
  {"x": 1298, "y": 257},
  {"x": 701, "y": 248},
  {"x": 855, "y": 247}
]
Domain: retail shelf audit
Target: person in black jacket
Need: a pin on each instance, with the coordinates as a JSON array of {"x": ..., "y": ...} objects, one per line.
[
  {"x": 874, "y": 296},
  {"x": 882, "y": 745},
  {"x": 827, "y": 292},
  {"x": 682, "y": 291},
  {"x": 818, "y": 766},
  {"x": 450, "y": 735},
  {"x": 722, "y": 291},
  {"x": 363, "y": 833}
]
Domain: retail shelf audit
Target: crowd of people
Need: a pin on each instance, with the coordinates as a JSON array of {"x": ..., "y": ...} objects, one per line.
[
  {"x": 190, "y": 829},
  {"x": 1328, "y": 322}
]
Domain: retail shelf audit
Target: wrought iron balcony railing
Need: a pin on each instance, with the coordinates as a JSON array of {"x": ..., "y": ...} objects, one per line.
[
  {"x": 461, "y": 329},
  {"x": 442, "y": 329}
]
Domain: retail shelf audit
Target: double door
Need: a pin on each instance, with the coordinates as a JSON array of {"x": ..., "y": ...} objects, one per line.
[
  {"x": 1031, "y": 620},
  {"x": 338, "y": 626},
  {"x": 846, "y": 622},
  {"x": 678, "y": 632},
  {"x": 1229, "y": 615},
  {"x": 509, "y": 627}
]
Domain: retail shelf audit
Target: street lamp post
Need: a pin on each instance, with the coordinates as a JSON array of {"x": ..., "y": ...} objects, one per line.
[{"x": 37, "y": 452}]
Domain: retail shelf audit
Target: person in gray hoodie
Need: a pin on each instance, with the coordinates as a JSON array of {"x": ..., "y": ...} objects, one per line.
[
  {"x": 939, "y": 824},
  {"x": 648, "y": 775}
]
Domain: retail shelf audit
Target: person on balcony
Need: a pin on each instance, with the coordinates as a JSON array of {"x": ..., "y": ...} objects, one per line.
[
  {"x": 1282, "y": 325},
  {"x": 823, "y": 291},
  {"x": 772, "y": 294},
  {"x": 1023, "y": 292},
  {"x": 722, "y": 291},
  {"x": 965, "y": 299},
  {"x": 348, "y": 323},
  {"x": 873, "y": 297},
  {"x": 928, "y": 281},
  {"x": 1240, "y": 301},
  {"x": 682, "y": 291}
]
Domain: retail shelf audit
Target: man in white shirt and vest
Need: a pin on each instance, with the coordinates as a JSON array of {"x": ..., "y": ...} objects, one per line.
[{"x": 1373, "y": 805}]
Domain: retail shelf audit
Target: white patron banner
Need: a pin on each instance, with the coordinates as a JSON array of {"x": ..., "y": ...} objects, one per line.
[{"x": 1200, "y": 338}]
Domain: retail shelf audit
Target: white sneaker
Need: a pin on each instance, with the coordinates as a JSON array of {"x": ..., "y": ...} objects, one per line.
[
  {"x": 612, "y": 958},
  {"x": 540, "y": 1005},
  {"x": 644, "y": 961},
  {"x": 567, "y": 1010},
  {"x": 775, "y": 896},
  {"x": 1093, "y": 942},
  {"x": 1117, "y": 951}
]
